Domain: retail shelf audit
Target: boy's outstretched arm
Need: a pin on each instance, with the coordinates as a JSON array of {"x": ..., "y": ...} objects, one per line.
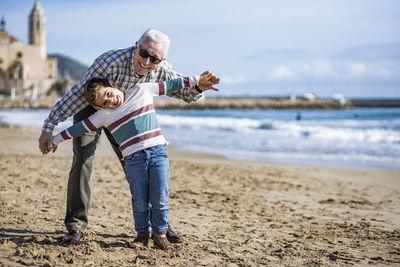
[
  {"x": 87, "y": 125},
  {"x": 207, "y": 81},
  {"x": 204, "y": 82}
]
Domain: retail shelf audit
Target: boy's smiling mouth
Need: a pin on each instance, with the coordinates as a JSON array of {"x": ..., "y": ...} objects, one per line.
[{"x": 116, "y": 101}]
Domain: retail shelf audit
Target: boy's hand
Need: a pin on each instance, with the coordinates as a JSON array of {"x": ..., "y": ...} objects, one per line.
[{"x": 207, "y": 80}]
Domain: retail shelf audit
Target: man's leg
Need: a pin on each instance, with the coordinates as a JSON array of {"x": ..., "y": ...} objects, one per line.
[
  {"x": 114, "y": 146},
  {"x": 78, "y": 193}
]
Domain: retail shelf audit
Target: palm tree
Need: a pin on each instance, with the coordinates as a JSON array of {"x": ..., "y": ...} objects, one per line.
[
  {"x": 2, "y": 76},
  {"x": 15, "y": 74}
]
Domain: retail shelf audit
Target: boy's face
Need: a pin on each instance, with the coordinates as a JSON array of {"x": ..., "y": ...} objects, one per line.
[{"x": 110, "y": 98}]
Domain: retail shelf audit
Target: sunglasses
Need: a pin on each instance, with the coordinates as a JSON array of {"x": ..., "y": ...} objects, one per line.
[{"x": 144, "y": 54}]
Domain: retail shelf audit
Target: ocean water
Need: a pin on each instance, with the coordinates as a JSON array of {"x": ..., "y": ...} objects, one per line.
[{"x": 362, "y": 137}]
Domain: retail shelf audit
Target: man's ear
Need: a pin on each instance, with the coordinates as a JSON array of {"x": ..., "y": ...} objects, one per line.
[
  {"x": 136, "y": 46},
  {"x": 113, "y": 84}
]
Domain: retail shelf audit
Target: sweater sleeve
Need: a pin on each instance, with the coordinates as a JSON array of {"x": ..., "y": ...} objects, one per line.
[
  {"x": 176, "y": 84},
  {"x": 187, "y": 94},
  {"x": 90, "y": 124}
]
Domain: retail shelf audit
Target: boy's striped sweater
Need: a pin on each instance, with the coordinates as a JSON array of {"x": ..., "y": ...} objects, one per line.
[{"x": 134, "y": 124}]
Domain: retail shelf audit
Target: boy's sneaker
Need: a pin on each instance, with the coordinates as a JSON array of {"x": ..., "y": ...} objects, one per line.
[
  {"x": 141, "y": 240},
  {"x": 161, "y": 241},
  {"x": 172, "y": 236}
]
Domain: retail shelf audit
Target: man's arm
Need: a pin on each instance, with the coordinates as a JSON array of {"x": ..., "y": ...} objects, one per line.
[{"x": 72, "y": 102}]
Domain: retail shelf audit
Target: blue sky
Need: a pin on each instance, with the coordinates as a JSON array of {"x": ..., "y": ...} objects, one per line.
[{"x": 350, "y": 47}]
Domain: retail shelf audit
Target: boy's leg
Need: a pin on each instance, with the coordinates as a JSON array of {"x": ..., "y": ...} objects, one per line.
[
  {"x": 158, "y": 194},
  {"x": 158, "y": 188},
  {"x": 78, "y": 192},
  {"x": 137, "y": 175},
  {"x": 171, "y": 235}
]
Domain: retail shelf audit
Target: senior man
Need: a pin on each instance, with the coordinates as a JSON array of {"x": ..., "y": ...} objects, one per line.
[{"x": 144, "y": 62}]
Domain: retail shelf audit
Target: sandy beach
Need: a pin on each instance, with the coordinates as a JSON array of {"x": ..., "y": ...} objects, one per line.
[{"x": 231, "y": 213}]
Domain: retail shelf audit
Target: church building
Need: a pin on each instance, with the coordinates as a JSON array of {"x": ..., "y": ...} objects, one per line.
[{"x": 26, "y": 66}]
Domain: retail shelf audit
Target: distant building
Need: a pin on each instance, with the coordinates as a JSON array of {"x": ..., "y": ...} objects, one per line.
[
  {"x": 340, "y": 98},
  {"x": 25, "y": 66},
  {"x": 293, "y": 97},
  {"x": 310, "y": 97}
]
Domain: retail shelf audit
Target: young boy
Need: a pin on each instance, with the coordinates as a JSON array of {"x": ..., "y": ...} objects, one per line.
[{"x": 130, "y": 117}]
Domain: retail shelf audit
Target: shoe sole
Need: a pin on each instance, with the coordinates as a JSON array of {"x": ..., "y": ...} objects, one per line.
[{"x": 175, "y": 240}]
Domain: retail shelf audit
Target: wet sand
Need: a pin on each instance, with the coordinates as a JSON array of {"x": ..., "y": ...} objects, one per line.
[{"x": 231, "y": 213}]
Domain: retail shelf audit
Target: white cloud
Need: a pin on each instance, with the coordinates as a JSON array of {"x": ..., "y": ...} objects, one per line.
[
  {"x": 320, "y": 69},
  {"x": 382, "y": 73},
  {"x": 306, "y": 68},
  {"x": 232, "y": 80},
  {"x": 357, "y": 69},
  {"x": 282, "y": 72}
]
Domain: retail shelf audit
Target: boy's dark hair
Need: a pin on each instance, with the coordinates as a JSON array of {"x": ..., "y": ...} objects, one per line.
[{"x": 92, "y": 87}]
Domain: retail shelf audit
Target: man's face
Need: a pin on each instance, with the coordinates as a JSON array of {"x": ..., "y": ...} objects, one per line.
[
  {"x": 110, "y": 98},
  {"x": 142, "y": 64}
]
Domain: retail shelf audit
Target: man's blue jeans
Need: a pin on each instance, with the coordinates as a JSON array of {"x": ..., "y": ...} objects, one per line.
[{"x": 147, "y": 172}]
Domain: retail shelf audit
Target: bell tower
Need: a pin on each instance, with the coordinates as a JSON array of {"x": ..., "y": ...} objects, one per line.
[{"x": 37, "y": 28}]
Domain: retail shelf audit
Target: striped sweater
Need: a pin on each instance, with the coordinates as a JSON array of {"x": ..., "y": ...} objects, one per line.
[{"x": 134, "y": 124}]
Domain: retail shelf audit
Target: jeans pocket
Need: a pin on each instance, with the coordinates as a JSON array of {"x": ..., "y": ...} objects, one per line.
[
  {"x": 131, "y": 157},
  {"x": 161, "y": 150}
]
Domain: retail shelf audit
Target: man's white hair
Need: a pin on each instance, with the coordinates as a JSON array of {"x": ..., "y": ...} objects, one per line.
[{"x": 157, "y": 36}]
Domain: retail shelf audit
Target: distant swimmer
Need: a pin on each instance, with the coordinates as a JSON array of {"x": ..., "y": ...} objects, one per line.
[{"x": 298, "y": 116}]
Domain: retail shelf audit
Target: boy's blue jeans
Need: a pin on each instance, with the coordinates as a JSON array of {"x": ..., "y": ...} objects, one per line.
[{"x": 147, "y": 172}]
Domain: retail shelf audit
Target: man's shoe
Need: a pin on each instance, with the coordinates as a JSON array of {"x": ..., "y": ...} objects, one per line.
[
  {"x": 161, "y": 241},
  {"x": 173, "y": 237},
  {"x": 141, "y": 240},
  {"x": 72, "y": 237}
]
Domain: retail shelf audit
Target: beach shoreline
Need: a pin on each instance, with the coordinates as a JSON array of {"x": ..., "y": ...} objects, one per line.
[
  {"x": 207, "y": 103},
  {"x": 230, "y": 212}
]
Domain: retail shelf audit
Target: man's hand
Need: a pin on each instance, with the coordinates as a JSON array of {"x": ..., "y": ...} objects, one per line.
[
  {"x": 207, "y": 80},
  {"x": 46, "y": 143},
  {"x": 54, "y": 147}
]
